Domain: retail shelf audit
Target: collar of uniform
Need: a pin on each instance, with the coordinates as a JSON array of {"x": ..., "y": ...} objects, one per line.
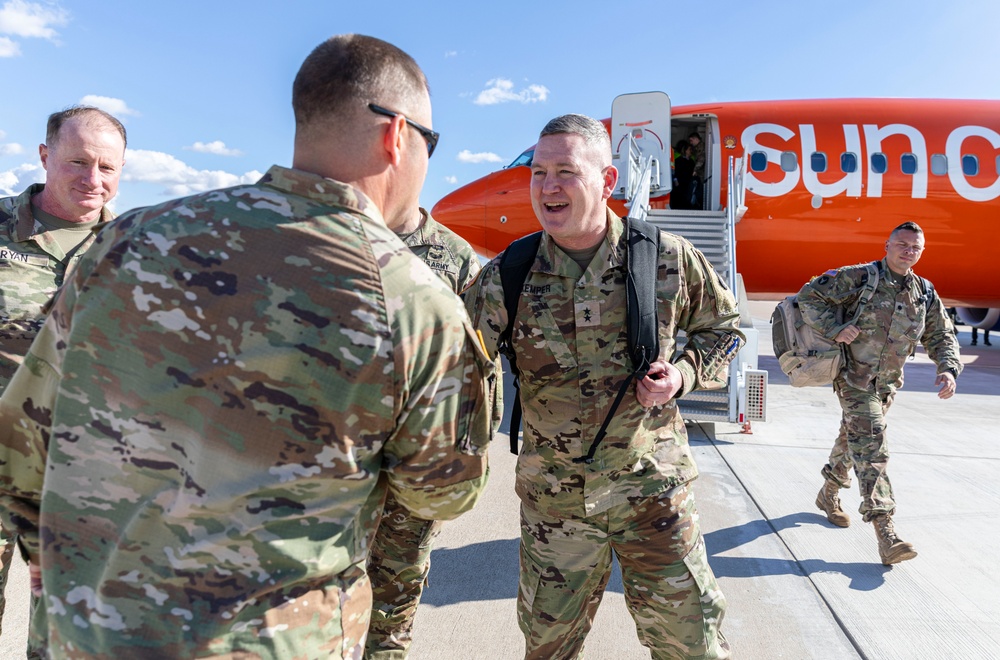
[
  {"x": 320, "y": 189},
  {"x": 891, "y": 278},
  {"x": 24, "y": 221},
  {"x": 616, "y": 239},
  {"x": 422, "y": 234},
  {"x": 25, "y": 226},
  {"x": 426, "y": 234},
  {"x": 610, "y": 254}
]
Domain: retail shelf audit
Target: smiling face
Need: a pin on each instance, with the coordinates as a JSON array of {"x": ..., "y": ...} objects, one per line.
[
  {"x": 571, "y": 181},
  {"x": 82, "y": 168},
  {"x": 903, "y": 250}
]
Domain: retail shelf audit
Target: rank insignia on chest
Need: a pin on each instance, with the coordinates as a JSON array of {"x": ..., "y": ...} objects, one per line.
[{"x": 588, "y": 313}]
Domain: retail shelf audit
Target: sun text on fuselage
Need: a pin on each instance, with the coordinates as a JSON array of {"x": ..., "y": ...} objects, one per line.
[{"x": 851, "y": 183}]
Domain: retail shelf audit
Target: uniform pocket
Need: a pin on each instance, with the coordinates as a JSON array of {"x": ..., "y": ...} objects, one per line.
[
  {"x": 476, "y": 416},
  {"x": 713, "y": 603}
]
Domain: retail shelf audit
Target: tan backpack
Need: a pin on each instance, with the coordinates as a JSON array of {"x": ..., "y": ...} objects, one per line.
[{"x": 808, "y": 358}]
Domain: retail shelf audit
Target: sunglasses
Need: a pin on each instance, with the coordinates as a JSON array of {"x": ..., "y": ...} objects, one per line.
[{"x": 432, "y": 137}]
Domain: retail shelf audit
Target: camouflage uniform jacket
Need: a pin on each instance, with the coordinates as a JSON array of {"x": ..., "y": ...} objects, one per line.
[
  {"x": 446, "y": 253},
  {"x": 455, "y": 261},
  {"x": 212, "y": 488},
  {"x": 32, "y": 268},
  {"x": 891, "y": 324},
  {"x": 570, "y": 341}
]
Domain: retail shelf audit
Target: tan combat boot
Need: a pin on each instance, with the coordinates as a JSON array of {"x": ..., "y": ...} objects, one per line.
[
  {"x": 891, "y": 548},
  {"x": 828, "y": 501}
]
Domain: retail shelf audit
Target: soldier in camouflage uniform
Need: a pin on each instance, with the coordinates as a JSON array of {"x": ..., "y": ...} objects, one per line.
[
  {"x": 570, "y": 342},
  {"x": 197, "y": 447},
  {"x": 902, "y": 312},
  {"x": 400, "y": 557},
  {"x": 43, "y": 233}
]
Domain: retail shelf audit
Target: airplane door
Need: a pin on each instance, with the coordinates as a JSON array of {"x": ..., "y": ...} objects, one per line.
[{"x": 645, "y": 118}]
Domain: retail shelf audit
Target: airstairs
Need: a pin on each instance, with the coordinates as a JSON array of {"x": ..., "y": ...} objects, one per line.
[{"x": 640, "y": 141}]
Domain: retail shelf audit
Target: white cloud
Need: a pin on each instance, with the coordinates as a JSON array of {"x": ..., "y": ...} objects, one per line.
[
  {"x": 116, "y": 107},
  {"x": 451, "y": 179},
  {"x": 501, "y": 90},
  {"x": 466, "y": 156},
  {"x": 451, "y": 53},
  {"x": 30, "y": 20},
  {"x": 9, "y": 48},
  {"x": 217, "y": 147},
  {"x": 178, "y": 177},
  {"x": 11, "y": 148},
  {"x": 13, "y": 182}
]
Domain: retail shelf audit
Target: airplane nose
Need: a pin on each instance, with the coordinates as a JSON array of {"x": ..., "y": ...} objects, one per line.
[{"x": 464, "y": 212}]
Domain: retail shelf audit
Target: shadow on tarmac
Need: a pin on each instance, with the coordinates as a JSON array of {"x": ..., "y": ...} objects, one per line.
[
  {"x": 482, "y": 571},
  {"x": 863, "y": 576}
]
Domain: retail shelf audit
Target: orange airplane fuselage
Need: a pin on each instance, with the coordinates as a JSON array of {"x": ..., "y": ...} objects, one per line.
[{"x": 826, "y": 181}]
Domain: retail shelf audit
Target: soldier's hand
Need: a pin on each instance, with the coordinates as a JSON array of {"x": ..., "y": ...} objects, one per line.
[
  {"x": 948, "y": 385},
  {"x": 848, "y": 334},
  {"x": 35, "y": 578},
  {"x": 660, "y": 385}
]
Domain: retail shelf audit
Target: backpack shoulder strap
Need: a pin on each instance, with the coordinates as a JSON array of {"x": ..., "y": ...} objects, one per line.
[
  {"x": 515, "y": 263},
  {"x": 642, "y": 254},
  {"x": 641, "y": 259},
  {"x": 868, "y": 286},
  {"x": 928, "y": 288}
]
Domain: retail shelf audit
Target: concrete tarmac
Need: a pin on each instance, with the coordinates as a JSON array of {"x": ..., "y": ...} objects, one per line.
[{"x": 798, "y": 587}]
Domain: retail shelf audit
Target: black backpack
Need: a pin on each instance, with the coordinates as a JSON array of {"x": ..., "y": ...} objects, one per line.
[{"x": 641, "y": 258}]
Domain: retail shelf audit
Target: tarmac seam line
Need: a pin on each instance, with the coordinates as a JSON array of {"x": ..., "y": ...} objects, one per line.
[{"x": 798, "y": 562}]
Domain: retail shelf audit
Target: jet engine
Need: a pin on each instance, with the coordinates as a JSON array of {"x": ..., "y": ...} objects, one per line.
[{"x": 984, "y": 318}]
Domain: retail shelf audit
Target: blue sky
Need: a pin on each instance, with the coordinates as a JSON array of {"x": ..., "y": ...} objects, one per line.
[{"x": 204, "y": 87}]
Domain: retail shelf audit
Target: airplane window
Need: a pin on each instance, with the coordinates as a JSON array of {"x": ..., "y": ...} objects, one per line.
[
  {"x": 939, "y": 164},
  {"x": 848, "y": 163},
  {"x": 789, "y": 161},
  {"x": 818, "y": 161},
  {"x": 970, "y": 165},
  {"x": 523, "y": 159},
  {"x": 758, "y": 161},
  {"x": 879, "y": 163},
  {"x": 908, "y": 163}
]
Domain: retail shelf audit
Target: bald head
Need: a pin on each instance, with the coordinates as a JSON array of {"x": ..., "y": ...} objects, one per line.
[{"x": 87, "y": 116}]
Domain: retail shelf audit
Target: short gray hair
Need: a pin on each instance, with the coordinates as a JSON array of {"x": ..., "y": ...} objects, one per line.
[{"x": 591, "y": 130}]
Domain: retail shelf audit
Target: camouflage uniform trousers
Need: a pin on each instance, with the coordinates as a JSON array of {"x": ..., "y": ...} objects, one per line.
[
  {"x": 37, "y": 630},
  {"x": 863, "y": 445},
  {"x": 7, "y": 542},
  {"x": 36, "y": 639},
  {"x": 398, "y": 565},
  {"x": 669, "y": 587}
]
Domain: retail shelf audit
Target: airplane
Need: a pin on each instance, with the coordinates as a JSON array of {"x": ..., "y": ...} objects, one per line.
[{"x": 825, "y": 182}]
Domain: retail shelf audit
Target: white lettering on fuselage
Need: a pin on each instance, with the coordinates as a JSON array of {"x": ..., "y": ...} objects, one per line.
[{"x": 851, "y": 183}]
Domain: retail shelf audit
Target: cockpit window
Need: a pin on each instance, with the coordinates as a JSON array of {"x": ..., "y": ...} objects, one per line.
[{"x": 523, "y": 159}]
